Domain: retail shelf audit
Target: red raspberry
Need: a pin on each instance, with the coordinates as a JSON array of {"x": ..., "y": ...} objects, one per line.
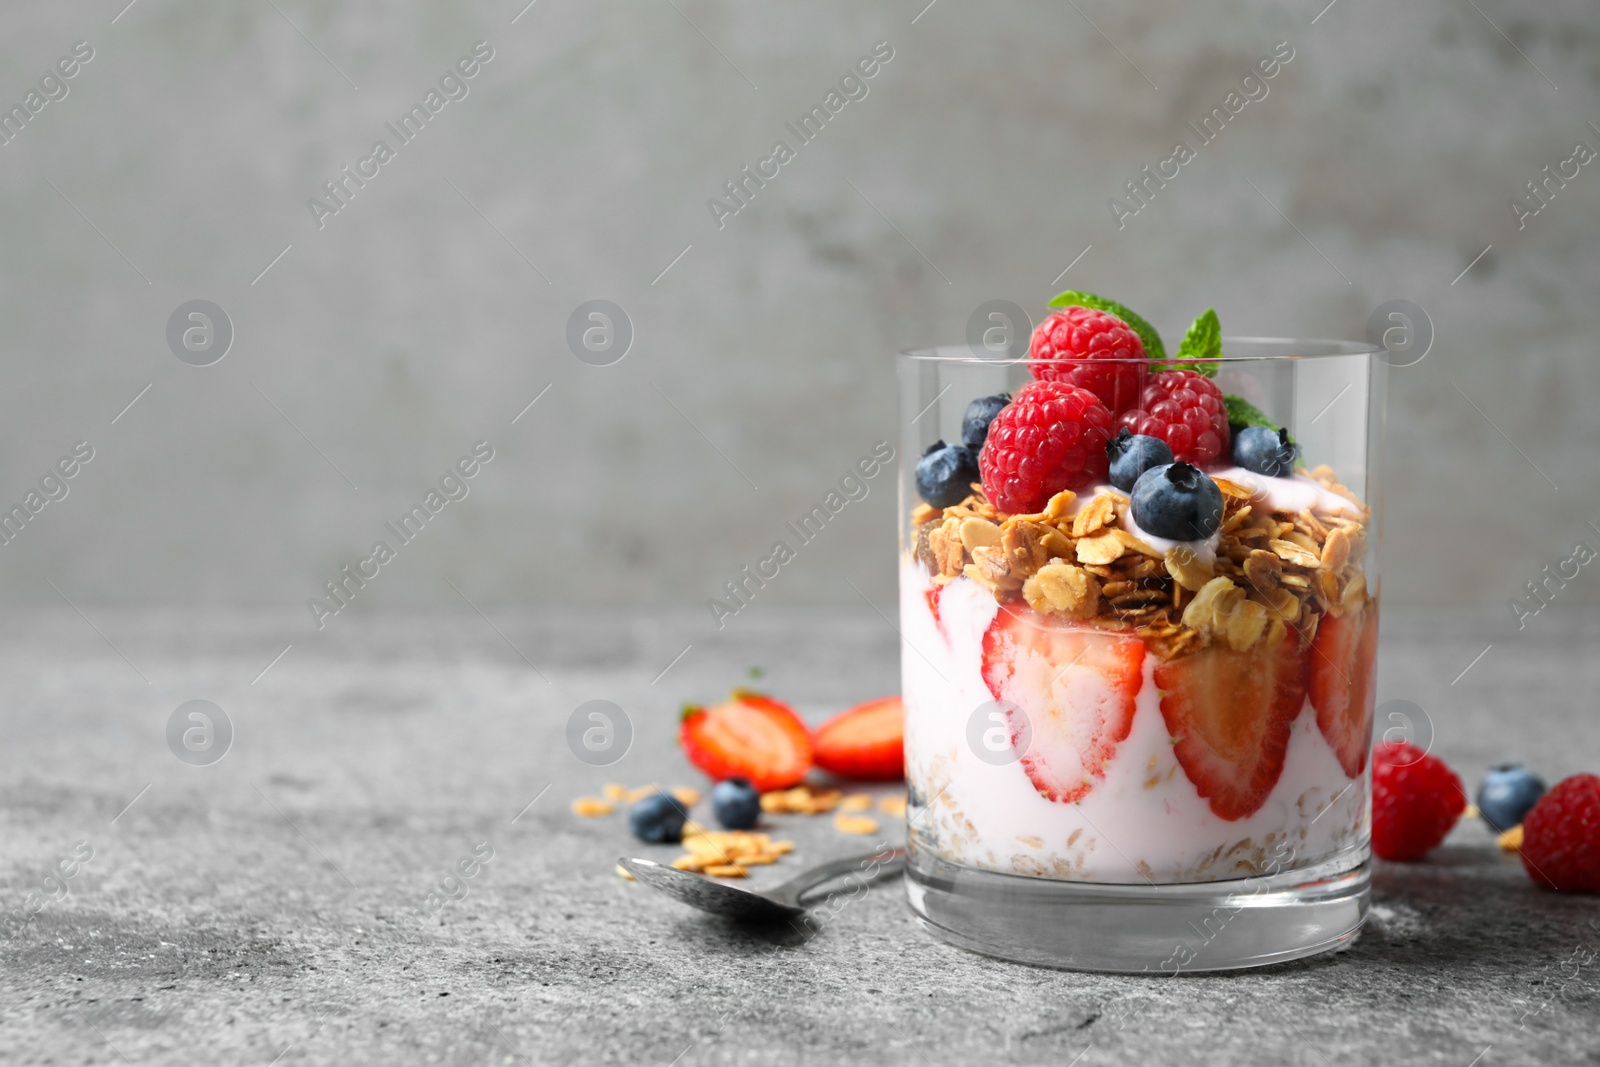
[
  {"x": 1416, "y": 799},
  {"x": 1561, "y": 836},
  {"x": 1185, "y": 410},
  {"x": 1051, "y": 437},
  {"x": 1090, "y": 339}
]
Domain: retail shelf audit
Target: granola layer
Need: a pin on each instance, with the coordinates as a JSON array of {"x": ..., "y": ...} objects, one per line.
[{"x": 1076, "y": 560}]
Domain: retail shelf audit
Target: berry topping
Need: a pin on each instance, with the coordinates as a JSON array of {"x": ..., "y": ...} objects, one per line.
[
  {"x": 945, "y": 474},
  {"x": 1101, "y": 353},
  {"x": 1177, "y": 501},
  {"x": 1416, "y": 799},
  {"x": 1074, "y": 688},
  {"x": 748, "y": 736},
  {"x": 980, "y": 413},
  {"x": 1051, "y": 437},
  {"x": 735, "y": 803},
  {"x": 1561, "y": 836},
  {"x": 658, "y": 818},
  {"x": 1153, "y": 347},
  {"x": 1265, "y": 451},
  {"x": 1342, "y": 660},
  {"x": 1508, "y": 792},
  {"x": 1186, "y": 411},
  {"x": 1229, "y": 715},
  {"x": 1132, "y": 454},
  {"x": 868, "y": 741}
]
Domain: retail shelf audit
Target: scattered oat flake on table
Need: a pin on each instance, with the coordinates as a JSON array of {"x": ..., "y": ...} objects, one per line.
[
  {"x": 801, "y": 800},
  {"x": 622, "y": 872},
  {"x": 686, "y": 796},
  {"x": 616, "y": 791},
  {"x": 892, "y": 805},
  {"x": 855, "y": 824},
  {"x": 590, "y": 807},
  {"x": 1511, "y": 840},
  {"x": 636, "y": 795},
  {"x": 718, "y": 853},
  {"x": 856, "y": 802}
]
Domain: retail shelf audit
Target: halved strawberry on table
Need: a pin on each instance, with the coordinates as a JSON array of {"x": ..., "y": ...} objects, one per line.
[
  {"x": 1229, "y": 715},
  {"x": 868, "y": 741},
  {"x": 748, "y": 736},
  {"x": 1075, "y": 689},
  {"x": 1343, "y": 660}
]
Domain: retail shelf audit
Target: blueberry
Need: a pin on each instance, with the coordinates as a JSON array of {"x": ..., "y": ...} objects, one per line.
[
  {"x": 945, "y": 474},
  {"x": 1132, "y": 454},
  {"x": 1177, "y": 501},
  {"x": 1507, "y": 794},
  {"x": 1265, "y": 451},
  {"x": 980, "y": 413},
  {"x": 736, "y": 804},
  {"x": 658, "y": 818}
]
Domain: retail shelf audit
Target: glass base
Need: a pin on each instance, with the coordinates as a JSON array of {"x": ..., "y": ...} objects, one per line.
[{"x": 1158, "y": 929}]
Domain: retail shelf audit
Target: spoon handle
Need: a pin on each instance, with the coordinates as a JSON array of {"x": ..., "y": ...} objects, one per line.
[{"x": 870, "y": 865}]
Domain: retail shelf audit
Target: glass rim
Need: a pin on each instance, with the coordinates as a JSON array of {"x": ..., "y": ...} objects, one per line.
[{"x": 1279, "y": 348}]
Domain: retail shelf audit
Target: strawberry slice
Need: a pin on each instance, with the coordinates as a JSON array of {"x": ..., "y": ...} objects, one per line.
[
  {"x": 1074, "y": 688},
  {"x": 931, "y": 595},
  {"x": 868, "y": 741},
  {"x": 1343, "y": 658},
  {"x": 1229, "y": 715},
  {"x": 747, "y": 736}
]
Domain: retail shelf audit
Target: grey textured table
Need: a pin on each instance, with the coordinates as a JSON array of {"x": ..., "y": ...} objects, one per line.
[{"x": 268, "y": 905}]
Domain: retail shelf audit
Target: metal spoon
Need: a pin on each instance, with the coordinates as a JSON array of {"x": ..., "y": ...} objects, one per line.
[{"x": 746, "y": 905}]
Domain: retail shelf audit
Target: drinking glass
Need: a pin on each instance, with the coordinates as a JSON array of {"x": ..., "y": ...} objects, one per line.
[{"x": 1131, "y": 754}]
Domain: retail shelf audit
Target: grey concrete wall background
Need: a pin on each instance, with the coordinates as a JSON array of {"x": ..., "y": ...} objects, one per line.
[{"x": 430, "y": 310}]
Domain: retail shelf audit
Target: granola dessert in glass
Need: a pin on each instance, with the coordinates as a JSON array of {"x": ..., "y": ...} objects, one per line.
[{"x": 1139, "y": 619}]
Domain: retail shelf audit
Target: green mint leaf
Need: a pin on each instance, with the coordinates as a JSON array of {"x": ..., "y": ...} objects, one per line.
[
  {"x": 1147, "y": 333},
  {"x": 1201, "y": 346}
]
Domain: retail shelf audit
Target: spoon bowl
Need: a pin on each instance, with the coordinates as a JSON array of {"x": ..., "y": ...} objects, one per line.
[{"x": 780, "y": 904}]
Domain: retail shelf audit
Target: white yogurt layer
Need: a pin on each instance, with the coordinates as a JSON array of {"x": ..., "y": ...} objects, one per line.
[
  {"x": 1293, "y": 494},
  {"x": 1205, "y": 550},
  {"x": 1143, "y": 821}
]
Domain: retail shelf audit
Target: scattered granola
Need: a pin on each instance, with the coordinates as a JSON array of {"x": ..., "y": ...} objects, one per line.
[
  {"x": 855, "y": 824},
  {"x": 617, "y": 794},
  {"x": 727, "y": 854},
  {"x": 801, "y": 800}
]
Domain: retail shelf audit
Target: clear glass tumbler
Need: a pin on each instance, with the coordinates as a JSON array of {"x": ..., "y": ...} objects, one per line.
[{"x": 1130, "y": 753}]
